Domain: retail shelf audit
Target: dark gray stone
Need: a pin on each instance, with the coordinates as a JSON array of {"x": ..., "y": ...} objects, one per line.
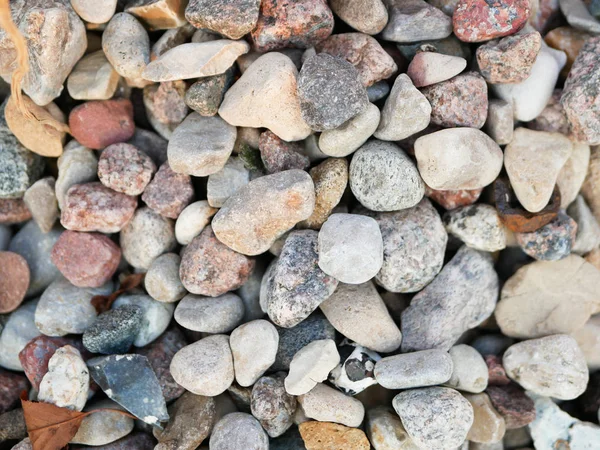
[
  {"x": 290, "y": 440},
  {"x": 130, "y": 381},
  {"x": 231, "y": 18},
  {"x": 113, "y": 331},
  {"x": 378, "y": 91},
  {"x": 313, "y": 328},
  {"x": 151, "y": 144},
  {"x": 297, "y": 286},
  {"x": 330, "y": 92},
  {"x": 272, "y": 405},
  {"x": 206, "y": 94},
  {"x": 135, "y": 441}
]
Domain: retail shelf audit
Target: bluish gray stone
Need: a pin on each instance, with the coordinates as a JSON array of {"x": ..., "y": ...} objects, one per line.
[
  {"x": 378, "y": 91},
  {"x": 114, "y": 331}
]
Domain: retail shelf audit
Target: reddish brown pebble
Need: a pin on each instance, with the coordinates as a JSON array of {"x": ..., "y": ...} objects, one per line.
[
  {"x": 159, "y": 354},
  {"x": 13, "y": 210},
  {"x": 496, "y": 373},
  {"x": 515, "y": 217},
  {"x": 210, "y": 268},
  {"x": 169, "y": 192},
  {"x": 11, "y": 386},
  {"x": 298, "y": 23},
  {"x": 461, "y": 101},
  {"x": 363, "y": 52},
  {"x": 97, "y": 124},
  {"x": 570, "y": 41},
  {"x": 124, "y": 168},
  {"x": 94, "y": 207},
  {"x": 278, "y": 155},
  {"x": 453, "y": 199},
  {"x": 14, "y": 281},
  {"x": 482, "y": 20},
  {"x": 86, "y": 259},
  {"x": 513, "y": 404}
]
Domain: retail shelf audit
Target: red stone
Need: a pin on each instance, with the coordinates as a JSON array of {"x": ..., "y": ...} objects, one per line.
[
  {"x": 496, "y": 373},
  {"x": 159, "y": 354},
  {"x": 482, "y": 20},
  {"x": 14, "y": 281},
  {"x": 124, "y": 168},
  {"x": 169, "y": 192},
  {"x": 291, "y": 23},
  {"x": 450, "y": 200},
  {"x": 94, "y": 207},
  {"x": 278, "y": 155},
  {"x": 513, "y": 404},
  {"x": 97, "y": 124},
  {"x": 11, "y": 386},
  {"x": 86, "y": 259},
  {"x": 13, "y": 210}
]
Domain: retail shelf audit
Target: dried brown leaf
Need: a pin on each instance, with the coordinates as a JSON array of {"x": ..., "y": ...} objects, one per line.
[{"x": 103, "y": 303}]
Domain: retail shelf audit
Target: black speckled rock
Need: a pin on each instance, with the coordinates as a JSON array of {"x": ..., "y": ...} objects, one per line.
[
  {"x": 551, "y": 242},
  {"x": 272, "y": 405},
  {"x": 313, "y": 328},
  {"x": 206, "y": 94},
  {"x": 114, "y": 331},
  {"x": 330, "y": 92},
  {"x": 130, "y": 381},
  {"x": 231, "y": 18},
  {"x": 297, "y": 286}
]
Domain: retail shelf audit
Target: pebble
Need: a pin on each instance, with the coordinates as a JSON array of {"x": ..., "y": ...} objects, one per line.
[
  {"x": 210, "y": 315},
  {"x": 348, "y": 137},
  {"x": 510, "y": 59},
  {"x": 325, "y": 435},
  {"x": 434, "y": 417},
  {"x": 458, "y": 102},
  {"x": 385, "y": 430},
  {"x": 99, "y": 123},
  {"x": 21, "y": 168},
  {"x": 204, "y": 367},
  {"x": 326, "y": 404},
  {"x": 366, "y": 17},
  {"x": 278, "y": 155},
  {"x": 234, "y": 20},
  {"x": 488, "y": 425},
  {"x": 93, "y": 78},
  {"x": 95, "y": 12},
  {"x": 470, "y": 160},
  {"x": 145, "y": 237},
  {"x": 570, "y": 41},
  {"x": 158, "y": 15},
  {"x": 530, "y": 97},
  {"x": 311, "y": 365},
  {"x": 578, "y": 16},
  {"x": 477, "y": 20},
  {"x": 206, "y": 94},
  {"x": 162, "y": 279},
  {"x": 113, "y": 331},
  {"x": 364, "y": 53},
  {"x": 330, "y": 92},
  {"x": 368, "y": 323},
  {"x": 201, "y": 146},
  {"x": 352, "y": 260},
  {"x": 210, "y": 268},
  {"x": 478, "y": 226},
  {"x": 238, "y": 430},
  {"x": 427, "y": 68},
  {"x": 50, "y": 64},
  {"x": 77, "y": 165},
  {"x": 499, "y": 124},
  {"x": 470, "y": 371},
  {"x": 551, "y": 242},
  {"x": 165, "y": 106},
  {"x": 253, "y": 346},
  {"x": 406, "y": 111},
  {"x": 102, "y": 427},
  {"x": 297, "y": 285},
  {"x": 14, "y": 281},
  {"x": 532, "y": 172},
  {"x": 124, "y": 168},
  {"x": 192, "y": 220},
  {"x": 302, "y": 24},
  {"x": 66, "y": 309},
  {"x": 86, "y": 259},
  {"x": 572, "y": 175},
  {"x": 266, "y": 96},
  {"x": 459, "y": 298},
  {"x": 418, "y": 369},
  {"x": 378, "y": 91},
  {"x": 126, "y": 45},
  {"x": 513, "y": 404},
  {"x": 272, "y": 405},
  {"x": 280, "y": 201},
  {"x": 13, "y": 210},
  {"x": 169, "y": 192},
  {"x": 156, "y": 316},
  {"x": 12, "y": 426},
  {"x": 94, "y": 207},
  {"x": 12, "y": 385},
  {"x": 67, "y": 381},
  {"x": 195, "y": 60},
  {"x": 553, "y": 366},
  {"x": 18, "y": 330},
  {"x": 383, "y": 178},
  {"x": 579, "y": 97},
  {"x": 414, "y": 21},
  {"x": 496, "y": 373},
  {"x": 130, "y": 381},
  {"x": 40, "y": 200}
]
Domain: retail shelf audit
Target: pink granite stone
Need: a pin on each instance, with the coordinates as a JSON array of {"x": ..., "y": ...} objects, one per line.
[{"x": 169, "y": 192}]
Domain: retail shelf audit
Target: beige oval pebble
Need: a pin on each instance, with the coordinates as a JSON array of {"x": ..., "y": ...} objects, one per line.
[
  {"x": 126, "y": 45},
  {"x": 428, "y": 68},
  {"x": 93, "y": 78},
  {"x": 326, "y": 404},
  {"x": 254, "y": 347},
  {"x": 347, "y": 138},
  {"x": 192, "y": 221}
]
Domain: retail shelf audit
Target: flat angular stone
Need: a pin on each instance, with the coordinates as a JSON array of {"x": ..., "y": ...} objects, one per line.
[
  {"x": 509, "y": 60},
  {"x": 233, "y": 19},
  {"x": 40, "y": 200},
  {"x": 130, "y": 381},
  {"x": 461, "y": 297},
  {"x": 318, "y": 435},
  {"x": 102, "y": 427},
  {"x": 428, "y": 68},
  {"x": 93, "y": 78},
  {"x": 478, "y": 226},
  {"x": 513, "y": 404},
  {"x": 413, "y": 370},
  {"x": 113, "y": 331},
  {"x": 365, "y": 16},
  {"x": 158, "y": 14},
  {"x": 126, "y": 45},
  {"x": 477, "y": 20},
  {"x": 311, "y": 365},
  {"x": 414, "y": 21}
]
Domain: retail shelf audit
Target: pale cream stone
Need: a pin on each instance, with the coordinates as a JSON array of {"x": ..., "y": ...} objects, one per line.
[{"x": 93, "y": 78}]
